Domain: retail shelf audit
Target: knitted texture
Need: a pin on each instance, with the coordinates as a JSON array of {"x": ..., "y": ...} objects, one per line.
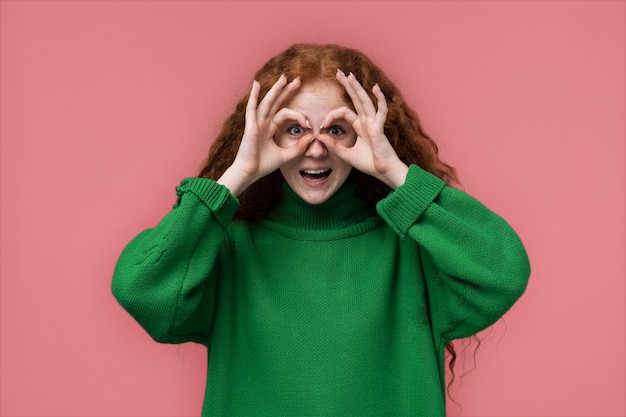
[{"x": 326, "y": 310}]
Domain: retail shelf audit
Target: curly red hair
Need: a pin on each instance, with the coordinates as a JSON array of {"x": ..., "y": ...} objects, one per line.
[{"x": 319, "y": 63}]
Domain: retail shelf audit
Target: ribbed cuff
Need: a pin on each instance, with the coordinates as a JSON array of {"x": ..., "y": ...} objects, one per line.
[
  {"x": 403, "y": 206},
  {"x": 215, "y": 196}
]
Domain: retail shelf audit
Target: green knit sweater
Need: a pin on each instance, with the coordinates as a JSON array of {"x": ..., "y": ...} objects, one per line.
[{"x": 326, "y": 310}]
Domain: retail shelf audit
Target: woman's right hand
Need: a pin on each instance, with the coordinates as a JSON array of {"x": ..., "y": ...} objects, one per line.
[{"x": 258, "y": 154}]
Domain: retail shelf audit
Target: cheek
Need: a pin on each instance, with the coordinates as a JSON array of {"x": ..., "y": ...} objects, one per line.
[
  {"x": 347, "y": 140},
  {"x": 286, "y": 141},
  {"x": 350, "y": 140},
  {"x": 282, "y": 141},
  {"x": 343, "y": 168},
  {"x": 289, "y": 168}
]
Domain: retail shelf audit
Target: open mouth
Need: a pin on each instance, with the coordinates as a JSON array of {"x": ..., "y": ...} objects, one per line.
[{"x": 315, "y": 174}]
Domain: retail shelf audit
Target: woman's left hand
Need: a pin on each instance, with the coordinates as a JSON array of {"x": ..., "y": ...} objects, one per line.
[{"x": 372, "y": 153}]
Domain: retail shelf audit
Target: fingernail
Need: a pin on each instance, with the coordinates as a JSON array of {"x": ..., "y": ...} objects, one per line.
[
  {"x": 308, "y": 124},
  {"x": 351, "y": 75},
  {"x": 341, "y": 72},
  {"x": 281, "y": 76}
]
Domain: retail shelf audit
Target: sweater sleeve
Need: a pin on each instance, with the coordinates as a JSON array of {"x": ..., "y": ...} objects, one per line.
[
  {"x": 474, "y": 263},
  {"x": 166, "y": 276}
]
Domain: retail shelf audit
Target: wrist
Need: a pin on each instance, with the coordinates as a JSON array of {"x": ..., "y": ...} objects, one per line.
[
  {"x": 235, "y": 180},
  {"x": 396, "y": 176}
]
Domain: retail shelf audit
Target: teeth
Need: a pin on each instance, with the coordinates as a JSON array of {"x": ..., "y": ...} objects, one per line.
[{"x": 315, "y": 171}]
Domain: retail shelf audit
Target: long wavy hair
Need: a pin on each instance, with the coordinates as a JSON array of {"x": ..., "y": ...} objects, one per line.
[{"x": 320, "y": 63}]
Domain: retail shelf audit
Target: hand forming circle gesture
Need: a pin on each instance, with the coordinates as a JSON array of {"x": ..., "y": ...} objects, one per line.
[
  {"x": 372, "y": 153},
  {"x": 258, "y": 154}
]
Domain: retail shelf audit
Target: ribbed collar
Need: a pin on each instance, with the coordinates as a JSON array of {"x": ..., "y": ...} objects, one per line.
[{"x": 343, "y": 214}]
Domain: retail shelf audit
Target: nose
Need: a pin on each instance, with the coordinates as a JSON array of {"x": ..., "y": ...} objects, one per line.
[{"x": 316, "y": 149}]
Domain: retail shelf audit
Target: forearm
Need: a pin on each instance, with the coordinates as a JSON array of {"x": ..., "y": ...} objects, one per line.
[
  {"x": 476, "y": 264},
  {"x": 235, "y": 180},
  {"x": 161, "y": 276}
]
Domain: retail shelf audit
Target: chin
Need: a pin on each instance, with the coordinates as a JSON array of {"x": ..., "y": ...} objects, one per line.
[{"x": 314, "y": 198}]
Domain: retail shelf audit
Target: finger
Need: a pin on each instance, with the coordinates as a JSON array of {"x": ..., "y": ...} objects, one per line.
[
  {"x": 265, "y": 104},
  {"x": 285, "y": 114},
  {"x": 252, "y": 103},
  {"x": 356, "y": 102},
  {"x": 366, "y": 102},
  {"x": 342, "y": 113},
  {"x": 343, "y": 152},
  {"x": 381, "y": 114},
  {"x": 284, "y": 94},
  {"x": 361, "y": 100},
  {"x": 299, "y": 148}
]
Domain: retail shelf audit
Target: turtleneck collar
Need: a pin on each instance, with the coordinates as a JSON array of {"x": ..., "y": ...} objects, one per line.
[{"x": 330, "y": 219}]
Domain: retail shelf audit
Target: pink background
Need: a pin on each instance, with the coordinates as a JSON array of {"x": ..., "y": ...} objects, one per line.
[{"x": 105, "y": 106}]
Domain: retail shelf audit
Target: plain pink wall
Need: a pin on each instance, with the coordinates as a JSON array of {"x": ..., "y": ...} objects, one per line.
[{"x": 105, "y": 106}]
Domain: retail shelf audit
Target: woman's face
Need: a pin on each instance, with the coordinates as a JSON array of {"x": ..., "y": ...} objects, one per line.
[{"x": 317, "y": 174}]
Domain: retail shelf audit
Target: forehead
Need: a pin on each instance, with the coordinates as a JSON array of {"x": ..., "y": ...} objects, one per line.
[{"x": 319, "y": 94}]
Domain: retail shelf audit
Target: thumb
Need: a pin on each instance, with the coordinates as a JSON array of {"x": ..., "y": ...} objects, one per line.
[
  {"x": 344, "y": 153},
  {"x": 296, "y": 150}
]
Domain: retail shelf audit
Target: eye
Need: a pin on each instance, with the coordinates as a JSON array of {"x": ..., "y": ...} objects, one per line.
[
  {"x": 295, "y": 130},
  {"x": 336, "y": 130}
]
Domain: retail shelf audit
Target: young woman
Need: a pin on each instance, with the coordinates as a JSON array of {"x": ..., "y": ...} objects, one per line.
[{"x": 321, "y": 255}]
